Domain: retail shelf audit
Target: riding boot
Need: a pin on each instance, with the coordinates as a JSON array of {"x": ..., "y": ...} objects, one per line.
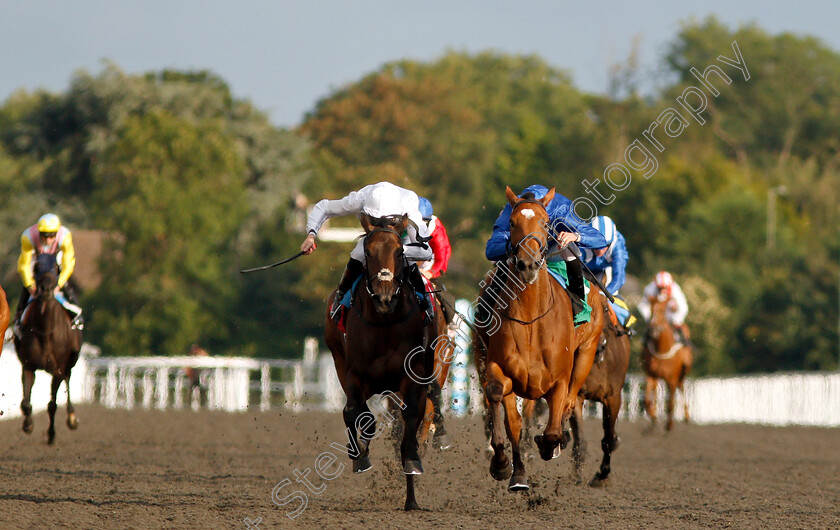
[
  {"x": 577, "y": 292},
  {"x": 352, "y": 271},
  {"x": 69, "y": 291},
  {"x": 415, "y": 277},
  {"x": 22, "y": 301},
  {"x": 682, "y": 335}
]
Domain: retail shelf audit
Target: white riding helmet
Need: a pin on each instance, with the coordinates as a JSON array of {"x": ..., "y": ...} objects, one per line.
[
  {"x": 385, "y": 200},
  {"x": 606, "y": 226}
]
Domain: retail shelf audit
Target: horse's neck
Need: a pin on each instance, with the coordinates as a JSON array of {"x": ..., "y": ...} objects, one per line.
[
  {"x": 44, "y": 314},
  {"x": 666, "y": 340},
  {"x": 532, "y": 300}
]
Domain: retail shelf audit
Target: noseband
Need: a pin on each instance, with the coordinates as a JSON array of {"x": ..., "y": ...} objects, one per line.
[
  {"x": 384, "y": 275},
  {"x": 513, "y": 250}
]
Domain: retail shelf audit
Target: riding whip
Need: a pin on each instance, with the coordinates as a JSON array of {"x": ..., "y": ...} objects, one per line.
[{"x": 265, "y": 267}]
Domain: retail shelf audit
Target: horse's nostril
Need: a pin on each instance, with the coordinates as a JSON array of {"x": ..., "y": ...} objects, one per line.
[{"x": 521, "y": 266}]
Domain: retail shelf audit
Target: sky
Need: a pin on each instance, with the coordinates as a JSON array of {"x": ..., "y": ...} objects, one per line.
[{"x": 285, "y": 56}]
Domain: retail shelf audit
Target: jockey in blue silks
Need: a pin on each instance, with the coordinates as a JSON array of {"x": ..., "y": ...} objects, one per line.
[
  {"x": 566, "y": 226},
  {"x": 611, "y": 261}
]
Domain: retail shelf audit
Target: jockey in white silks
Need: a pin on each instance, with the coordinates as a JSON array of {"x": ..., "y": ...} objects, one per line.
[
  {"x": 666, "y": 288},
  {"x": 378, "y": 201}
]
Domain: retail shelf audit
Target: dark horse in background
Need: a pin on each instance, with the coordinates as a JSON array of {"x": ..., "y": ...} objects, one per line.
[
  {"x": 663, "y": 357},
  {"x": 385, "y": 350},
  {"x": 47, "y": 342}
]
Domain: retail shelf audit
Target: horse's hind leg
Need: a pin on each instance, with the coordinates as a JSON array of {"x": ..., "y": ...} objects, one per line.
[
  {"x": 553, "y": 439},
  {"x": 440, "y": 439},
  {"x": 513, "y": 426},
  {"x": 56, "y": 384},
  {"x": 528, "y": 419},
  {"x": 609, "y": 442},
  {"x": 579, "y": 444},
  {"x": 28, "y": 378},
  {"x": 72, "y": 421}
]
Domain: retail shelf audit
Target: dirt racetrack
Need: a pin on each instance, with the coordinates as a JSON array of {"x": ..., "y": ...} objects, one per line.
[{"x": 183, "y": 469}]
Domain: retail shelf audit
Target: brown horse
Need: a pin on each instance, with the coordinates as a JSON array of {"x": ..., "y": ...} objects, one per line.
[
  {"x": 386, "y": 350},
  {"x": 664, "y": 358},
  {"x": 535, "y": 351},
  {"x": 604, "y": 384},
  {"x": 47, "y": 342}
]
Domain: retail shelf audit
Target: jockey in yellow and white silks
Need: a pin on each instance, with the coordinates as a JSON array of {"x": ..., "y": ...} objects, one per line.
[
  {"x": 48, "y": 236},
  {"x": 377, "y": 201}
]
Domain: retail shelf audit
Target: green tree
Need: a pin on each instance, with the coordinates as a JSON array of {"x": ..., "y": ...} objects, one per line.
[{"x": 172, "y": 196}]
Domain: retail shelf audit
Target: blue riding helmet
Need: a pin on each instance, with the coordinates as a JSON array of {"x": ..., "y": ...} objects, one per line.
[{"x": 426, "y": 208}]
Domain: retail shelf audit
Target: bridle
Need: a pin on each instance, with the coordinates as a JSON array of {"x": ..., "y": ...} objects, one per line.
[
  {"x": 513, "y": 249},
  {"x": 382, "y": 275}
]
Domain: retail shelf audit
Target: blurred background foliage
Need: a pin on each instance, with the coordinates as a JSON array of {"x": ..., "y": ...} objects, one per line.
[{"x": 186, "y": 184}]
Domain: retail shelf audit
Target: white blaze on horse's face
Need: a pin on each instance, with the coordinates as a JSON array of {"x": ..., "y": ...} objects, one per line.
[
  {"x": 385, "y": 275},
  {"x": 527, "y": 213}
]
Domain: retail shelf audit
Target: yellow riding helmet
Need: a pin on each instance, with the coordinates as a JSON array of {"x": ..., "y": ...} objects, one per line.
[{"x": 49, "y": 223}]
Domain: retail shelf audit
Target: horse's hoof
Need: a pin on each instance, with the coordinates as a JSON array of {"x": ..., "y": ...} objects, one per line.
[
  {"x": 442, "y": 442},
  {"x": 599, "y": 481},
  {"x": 549, "y": 450},
  {"x": 564, "y": 440},
  {"x": 518, "y": 482},
  {"x": 501, "y": 470},
  {"x": 409, "y": 506},
  {"x": 28, "y": 426},
  {"x": 72, "y": 422},
  {"x": 362, "y": 464},
  {"x": 412, "y": 467}
]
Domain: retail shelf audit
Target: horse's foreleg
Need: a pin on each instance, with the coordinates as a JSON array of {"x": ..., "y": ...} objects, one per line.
[
  {"x": 578, "y": 445},
  {"x": 669, "y": 407},
  {"x": 553, "y": 438},
  {"x": 685, "y": 403},
  {"x": 72, "y": 421},
  {"x": 650, "y": 398},
  {"x": 56, "y": 384},
  {"x": 528, "y": 419},
  {"x": 609, "y": 442},
  {"x": 425, "y": 426},
  {"x": 584, "y": 357},
  {"x": 495, "y": 389},
  {"x": 513, "y": 426},
  {"x": 28, "y": 378},
  {"x": 357, "y": 416},
  {"x": 415, "y": 405}
]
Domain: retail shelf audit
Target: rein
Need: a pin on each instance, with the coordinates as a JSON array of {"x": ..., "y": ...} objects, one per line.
[
  {"x": 400, "y": 281},
  {"x": 550, "y": 307}
]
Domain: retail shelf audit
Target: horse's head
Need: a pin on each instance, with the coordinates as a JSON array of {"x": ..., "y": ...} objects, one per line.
[
  {"x": 46, "y": 275},
  {"x": 385, "y": 261},
  {"x": 529, "y": 224},
  {"x": 658, "y": 314}
]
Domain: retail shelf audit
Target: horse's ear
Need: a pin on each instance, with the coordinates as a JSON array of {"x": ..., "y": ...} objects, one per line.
[
  {"x": 367, "y": 226},
  {"x": 403, "y": 224},
  {"x": 549, "y": 196},
  {"x": 511, "y": 196}
]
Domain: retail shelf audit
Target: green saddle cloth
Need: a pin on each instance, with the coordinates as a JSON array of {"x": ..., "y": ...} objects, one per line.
[{"x": 558, "y": 270}]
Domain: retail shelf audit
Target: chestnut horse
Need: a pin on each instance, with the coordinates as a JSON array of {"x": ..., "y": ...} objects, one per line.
[
  {"x": 47, "y": 342},
  {"x": 5, "y": 314},
  {"x": 386, "y": 350},
  {"x": 664, "y": 358},
  {"x": 535, "y": 351},
  {"x": 604, "y": 384}
]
